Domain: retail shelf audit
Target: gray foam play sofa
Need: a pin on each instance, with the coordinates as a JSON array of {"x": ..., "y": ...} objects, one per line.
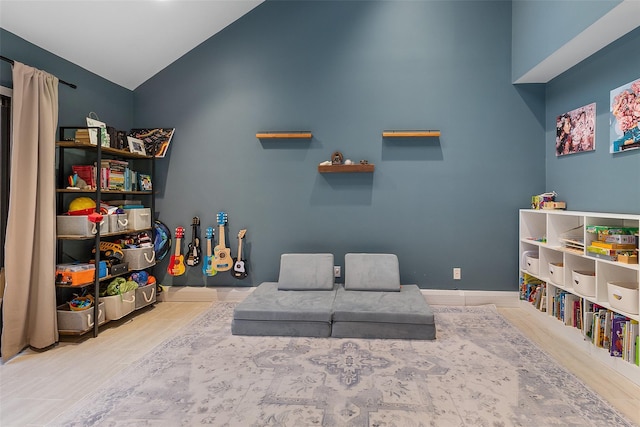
[{"x": 305, "y": 301}]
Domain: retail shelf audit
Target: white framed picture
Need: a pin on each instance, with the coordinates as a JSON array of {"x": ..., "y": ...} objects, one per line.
[{"x": 136, "y": 145}]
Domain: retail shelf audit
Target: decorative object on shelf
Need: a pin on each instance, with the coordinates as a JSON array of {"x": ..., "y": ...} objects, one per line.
[
  {"x": 136, "y": 146},
  {"x": 298, "y": 134},
  {"x": 336, "y": 158},
  {"x": 348, "y": 162},
  {"x": 94, "y": 122},
  {"x": 625, "y": 117},
  {"x": 410, "y": 133},
  {"x": 554, "y": 205},
  {"x": 156, "y": 140},
  {"x": 537, "y": 202},
  {"x": 364, "y": 162},
  {"x": 329, "y": 168}
]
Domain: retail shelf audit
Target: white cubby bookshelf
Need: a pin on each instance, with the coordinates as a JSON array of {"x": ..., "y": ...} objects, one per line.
[{"x": 546, "y": 233}]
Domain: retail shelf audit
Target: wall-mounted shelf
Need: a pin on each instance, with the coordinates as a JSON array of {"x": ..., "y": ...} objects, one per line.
[
  {"x": 410, "y": 133},
  {"x": 284, "y": 135},
  {"x": 346, "y": 168}
]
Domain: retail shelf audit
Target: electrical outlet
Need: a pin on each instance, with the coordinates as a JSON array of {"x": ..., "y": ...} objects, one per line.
[
  {"x": 336, "y": 271},
  {"x": 457, "y": 273}
]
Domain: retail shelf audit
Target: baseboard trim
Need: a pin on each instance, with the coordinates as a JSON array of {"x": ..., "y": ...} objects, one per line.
[{"x": 433, "y": 296}]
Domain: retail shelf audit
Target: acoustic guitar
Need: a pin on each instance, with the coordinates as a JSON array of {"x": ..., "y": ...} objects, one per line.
[
  {"x": 207, "y": 266},
  {"x": 176, "y": 263},
  {"x": 222, "y": 255},
  {"x": 193, "y": 252},
  {"x": 239, "y": 267}
]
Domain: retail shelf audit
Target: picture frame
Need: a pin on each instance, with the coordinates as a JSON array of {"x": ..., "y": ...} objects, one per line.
[
  {"x": 136, "y": 146},
  {"x": 156, "y": 140},
  {"x": 624, "y": 110}
]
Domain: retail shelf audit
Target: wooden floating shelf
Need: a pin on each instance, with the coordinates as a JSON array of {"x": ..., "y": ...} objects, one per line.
[
  {"x": 346, "y": 168},
  {"x": 410, "y": 133},
  {"x": 284, "y": 135}
]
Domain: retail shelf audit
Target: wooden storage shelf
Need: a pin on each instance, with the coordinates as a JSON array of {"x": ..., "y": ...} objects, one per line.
[
  {"x": 115, "y": 233},
  {"x": 105, "y": 150},
  {"x": 346, "y": 168},
  {"x": 103, "y": 191},
  {"x": 410, "y": 133},
  {"x": 285, "y": 135}
]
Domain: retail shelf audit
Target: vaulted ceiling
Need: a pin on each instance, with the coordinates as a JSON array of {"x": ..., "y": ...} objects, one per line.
[{"x": 126, "y": 42}]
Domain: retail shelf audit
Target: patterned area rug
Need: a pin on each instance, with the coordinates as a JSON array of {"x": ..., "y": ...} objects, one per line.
[{"x": 480, "y": 371}]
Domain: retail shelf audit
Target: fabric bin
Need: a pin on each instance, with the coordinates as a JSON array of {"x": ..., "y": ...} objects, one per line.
[
  {"x": 145, "y": 295},
  {"x": 139, "y": 219},
  {"x": 623, "y": 296},
  {"x": 556, "y": 272},
  {"x": 118, "y": 306},
  {"x": 533, "y": 264},
  {"x": 70, "y": 321},
  {"x": 584, "y": 282},
  {"x": 118, "y": 222},
  {"x": 79, "y": 225},
  {"x": 139, "y": 258}
]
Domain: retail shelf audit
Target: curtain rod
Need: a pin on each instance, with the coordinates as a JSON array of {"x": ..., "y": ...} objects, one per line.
[{"x": 11, "y": 61}]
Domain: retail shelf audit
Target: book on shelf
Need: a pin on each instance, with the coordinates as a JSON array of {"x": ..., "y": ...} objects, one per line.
[
  {"x": 614, "y": 246},
  {"x": 616, "y": 348}
]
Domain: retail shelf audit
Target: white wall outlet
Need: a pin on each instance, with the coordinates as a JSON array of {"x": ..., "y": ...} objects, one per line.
[
  {"x": 457, "y": 273},
  {"x": 336, "y": 271}
]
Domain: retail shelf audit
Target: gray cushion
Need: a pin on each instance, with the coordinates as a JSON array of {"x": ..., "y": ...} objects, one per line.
[
  {"x": 306, "y": 272},
  {"x": 280, "y": 328},
  {"x": 266, "y": 302},
  {"x": 376, "y": 330},
  {"x": 371, "y": 272},
  {"x": 406, "y": 306}
]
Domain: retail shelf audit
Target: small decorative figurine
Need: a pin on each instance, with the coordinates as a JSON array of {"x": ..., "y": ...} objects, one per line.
[{"x": 336, "y": 158}]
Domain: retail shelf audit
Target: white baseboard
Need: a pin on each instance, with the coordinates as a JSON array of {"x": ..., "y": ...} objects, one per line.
[
  {"x": 433, "y": 296},
  {"x": 462, "y": 297}
]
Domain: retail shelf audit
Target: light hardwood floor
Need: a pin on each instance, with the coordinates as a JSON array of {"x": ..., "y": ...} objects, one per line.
[{"x": 36, "y": 387}]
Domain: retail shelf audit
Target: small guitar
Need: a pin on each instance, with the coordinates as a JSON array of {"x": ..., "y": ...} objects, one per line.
[
  {"x": 176, "y": 263},
  {"x": 239, "y": 268},
  {"x": 193, "y": 252},
  {"x": 222, "y": 254},
  {"x": 207, "y": 266}
]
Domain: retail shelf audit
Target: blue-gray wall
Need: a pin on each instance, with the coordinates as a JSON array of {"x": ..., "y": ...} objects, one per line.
[
  {"x": 346, "y": 71},
  {"x": 542, "y": 27},
  {"x": 596, "y": 180},
  {"x": 111, "y": 102}
]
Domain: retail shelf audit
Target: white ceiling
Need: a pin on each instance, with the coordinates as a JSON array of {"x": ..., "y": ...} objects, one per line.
[{"x": 124, "y": 41}]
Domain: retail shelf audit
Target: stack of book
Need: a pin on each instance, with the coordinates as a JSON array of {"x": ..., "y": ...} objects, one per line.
[
  {"x": 82, "y": 136},
  {"x": 612, "y": 242},
  {"x": 613, "y": 332}
]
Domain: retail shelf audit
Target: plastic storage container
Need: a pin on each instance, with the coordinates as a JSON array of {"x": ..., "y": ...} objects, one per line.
[
  {"x": 118, "y": 306},
  {"x": 623, "y": 296},
  {"x": 139, "y": 258},
  {"x": 556, "y": 273},
  {"x": 78, "y": 321},
  {"x": 584, "y": 282},
  {"x": 79, "y": 225}
]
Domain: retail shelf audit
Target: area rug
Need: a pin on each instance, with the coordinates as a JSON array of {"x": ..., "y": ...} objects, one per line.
[{"x": 480, "y": 371}]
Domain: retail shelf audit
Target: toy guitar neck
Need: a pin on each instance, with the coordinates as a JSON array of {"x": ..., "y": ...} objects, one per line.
[
  {"x": 239, "y": 267},
  {"x": 208, "y": 267},
  {"x": 176, "y": 263},
  {"x": 222, "y": 254},
  {"x": 193, "y": 253}
]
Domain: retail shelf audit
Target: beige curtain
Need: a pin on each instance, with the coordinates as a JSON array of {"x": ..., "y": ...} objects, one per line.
[{"x": 29, "y": 304}]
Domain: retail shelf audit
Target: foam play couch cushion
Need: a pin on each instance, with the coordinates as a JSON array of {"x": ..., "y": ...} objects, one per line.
[
  {"x": 371, "y": 272},
  {"x": 373, "y": 314},
  {"x": 306, "y": 272}
]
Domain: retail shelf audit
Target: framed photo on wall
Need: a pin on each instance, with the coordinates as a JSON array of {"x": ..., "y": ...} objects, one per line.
[
  {"x": 625, "y": 117},
  {"x": 156, "y": 140},
  {"x": 576, "y": 130}
]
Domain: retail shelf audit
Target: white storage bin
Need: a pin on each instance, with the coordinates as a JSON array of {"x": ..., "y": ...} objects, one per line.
[
  {"x": 79, "y": 225},
  {"x": 139, "y": 219},
  {"x": 556, "y": 272},
  {"x": 78, "y": 321},
  {"x": 139, "y": 258},
  {"x": 533, "y": 264},
  {"x": 623, "y": 296},
  {"x": 584, "y": 282},
  {"x": 118, "y": 222},
  {"x": 145, "y": 295},
  {"x": 118, "y": 306}
]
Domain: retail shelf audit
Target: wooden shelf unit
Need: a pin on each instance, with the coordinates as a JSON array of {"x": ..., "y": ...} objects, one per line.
[
  {"x": 410, "y": 133},
  {"x": 285, "y": 135},
  {"x": 357, "y": 168}
]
